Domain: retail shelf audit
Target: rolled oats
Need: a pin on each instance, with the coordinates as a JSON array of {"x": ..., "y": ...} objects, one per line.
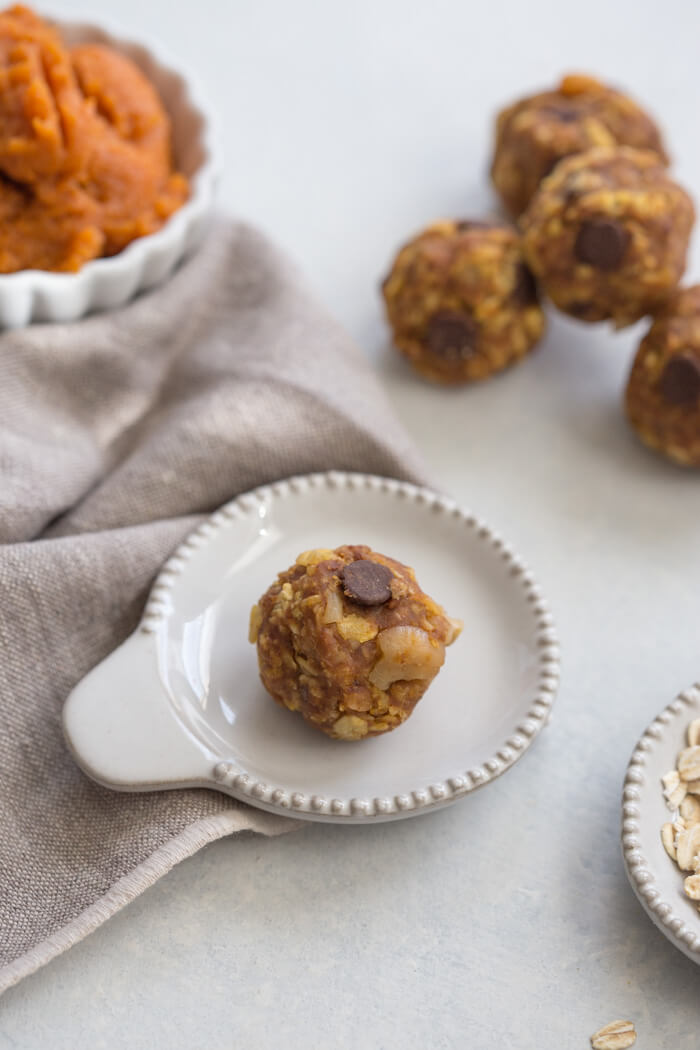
[
  {"x": 681, "y": 836},
  {"x": 668, "y": 837},
  {"x": 690, "y": 810},
  {"x": 614, "y": 1036},
  {"x": 687, "y": 848},
  {"x": 674, "y": 789},
  {"x": 694, "y": 733},
  {"x": 692, "y": 887},
  {"x": 689, "y": 763}
]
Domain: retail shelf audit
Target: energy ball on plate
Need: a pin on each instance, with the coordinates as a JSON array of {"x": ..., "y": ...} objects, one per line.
[
  {"x": 533, "y": 135},
  {"x": 663, "y": 392},
  {"x": 348, "y": 639},
  {"x": 607, "y": 233},
  {"x": 461, "y": 301}
]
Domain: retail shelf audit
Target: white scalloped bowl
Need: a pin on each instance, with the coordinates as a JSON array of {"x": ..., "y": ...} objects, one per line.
[
  {"x": 654, "y": 877},
  {"x": 37, "y": 295}
]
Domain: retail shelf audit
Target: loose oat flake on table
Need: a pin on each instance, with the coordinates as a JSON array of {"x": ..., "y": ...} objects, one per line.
[
  {"x": 614, "y": 1036},
  {"x": 681, "y": 788}
]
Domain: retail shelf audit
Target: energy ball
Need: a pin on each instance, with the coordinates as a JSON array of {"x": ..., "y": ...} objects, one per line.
[
  {"x": 663, "y": 392},
  {"x": 533, "y": 135},
  {"x": 461, "y": 301},
  {"x": 348, "y": 639},
  {"x": 607, "y": 234}
]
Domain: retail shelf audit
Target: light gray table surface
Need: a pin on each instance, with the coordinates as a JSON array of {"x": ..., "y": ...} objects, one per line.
[{"x": 505, "y": 920}]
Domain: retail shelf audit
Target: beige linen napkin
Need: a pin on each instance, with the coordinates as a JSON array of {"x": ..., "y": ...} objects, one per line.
[{"x": 115, "y": 433}]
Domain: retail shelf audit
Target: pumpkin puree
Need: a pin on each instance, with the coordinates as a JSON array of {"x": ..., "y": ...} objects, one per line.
[{"x": 85, "y": 160}]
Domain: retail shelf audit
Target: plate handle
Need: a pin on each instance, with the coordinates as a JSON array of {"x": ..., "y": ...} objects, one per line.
[{"x": 122, "y": 730}]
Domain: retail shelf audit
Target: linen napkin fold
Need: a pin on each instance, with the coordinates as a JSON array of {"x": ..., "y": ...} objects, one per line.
[{"x": 116, "y": 433}]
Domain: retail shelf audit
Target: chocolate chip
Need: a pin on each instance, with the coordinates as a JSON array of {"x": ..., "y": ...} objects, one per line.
[
  {"x": 451, "y": 335},
  {"x": 601, "y": 243},
  {"x": 571, "y": 195},
  {"x": 680, "y": 380},
  {"x": 525, "y": 289},
  {"x": 367, "y": 582},
  {"x": 566, "y": 114},
  {"x": 580, "y": 309},
  {"x": 548, "y": 166},
  {"x": 475, "y": 224}
]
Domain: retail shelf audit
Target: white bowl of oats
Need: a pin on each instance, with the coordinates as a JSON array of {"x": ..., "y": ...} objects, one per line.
[{"x": 661, "y": 821}]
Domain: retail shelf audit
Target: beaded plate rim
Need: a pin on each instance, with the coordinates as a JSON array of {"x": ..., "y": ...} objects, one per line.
[{"x": 232, "y": 778}]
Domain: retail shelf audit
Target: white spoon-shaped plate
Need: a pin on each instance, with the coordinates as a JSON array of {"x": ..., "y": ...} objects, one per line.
[
  {"x": 654, "y": 877},
  {"x": 180, "y": 703}
]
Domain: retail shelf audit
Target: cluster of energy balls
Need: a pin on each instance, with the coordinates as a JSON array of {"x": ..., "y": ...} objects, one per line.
[{"x": 600, "y": 228}]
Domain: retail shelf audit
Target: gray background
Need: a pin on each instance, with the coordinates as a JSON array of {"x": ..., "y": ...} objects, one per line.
[{"x": 505, "y": 920}]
